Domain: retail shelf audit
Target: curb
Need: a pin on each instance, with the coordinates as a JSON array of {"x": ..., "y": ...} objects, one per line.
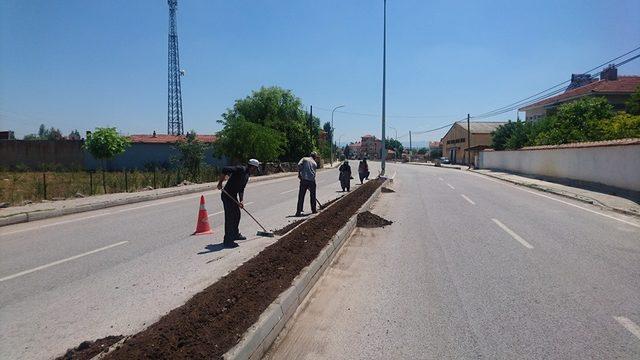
[
  {"x": 563, "y": 194},
  {"x": 259, "y": 337},
  {"x": 144, "y": 196}
]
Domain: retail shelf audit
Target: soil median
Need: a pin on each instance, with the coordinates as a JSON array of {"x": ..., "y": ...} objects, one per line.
[{"x": 214, "y": 320}]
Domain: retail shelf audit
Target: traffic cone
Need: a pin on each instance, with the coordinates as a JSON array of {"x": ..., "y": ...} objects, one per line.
[{"x": 202, "y": 226}]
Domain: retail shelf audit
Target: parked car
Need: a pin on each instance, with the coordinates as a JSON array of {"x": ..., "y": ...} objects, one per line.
[{"x": 444, "y": 160}]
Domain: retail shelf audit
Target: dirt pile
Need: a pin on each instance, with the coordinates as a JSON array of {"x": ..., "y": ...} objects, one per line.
[
  {"x": 288, "y": 227},
  {"x": 370, "y": 220},
  {"x": 88, "y": 349},
  {"x": 214, "y": 320},
  {"x": 386, "y": 190}
]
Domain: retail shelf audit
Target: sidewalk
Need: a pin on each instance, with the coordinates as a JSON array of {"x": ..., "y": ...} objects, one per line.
[{"x": 608, "y": 201}]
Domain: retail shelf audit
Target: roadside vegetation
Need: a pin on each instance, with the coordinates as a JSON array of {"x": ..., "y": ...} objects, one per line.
[{"x": 587, "y": 119}]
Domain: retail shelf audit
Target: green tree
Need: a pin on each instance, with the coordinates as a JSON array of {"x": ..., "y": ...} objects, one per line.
[
  {"x": 395, "y": 145},
  {"x": 104, "y": 144},
  {"x": 276, "y": 109},
  {"x": 191, "y": 155},
  {"x": 633, "y": 104},
  {"x": 423, "y": 151},
  {"x": 435, "y": 153},
  {"x": 347, "y": 151},
  {"x": 74, "y": 135},
  {"x": 621, "y": 126},
  {"x": 501, "y": 134},
  {"x": 45, "y": 134},
  {"x": 242, "y": 140},
  {"x": 575, "y": 121}
]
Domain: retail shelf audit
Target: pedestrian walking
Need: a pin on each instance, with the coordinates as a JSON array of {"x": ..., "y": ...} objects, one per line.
[
  {"x": 363, "y": 170},
  {"x": 345, "y": 175},
  {"x": 307, "y": 174},
  {"x": 233, "y": 197}
]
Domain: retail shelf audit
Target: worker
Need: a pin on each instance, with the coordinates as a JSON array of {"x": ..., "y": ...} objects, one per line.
[
  {"x": 363, "y": 170},
  {"x": 307, "y": 174},
  {"x": 345, "y": 175},
  {"x": 233, "y": 198}
]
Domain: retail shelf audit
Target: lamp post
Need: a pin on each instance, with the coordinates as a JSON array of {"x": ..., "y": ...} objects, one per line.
[
  {"x": 333, "y": 130},
  {"x": 384, "y": 86}
]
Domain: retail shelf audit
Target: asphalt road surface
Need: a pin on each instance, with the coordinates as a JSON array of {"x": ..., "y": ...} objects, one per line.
[
  {"x": 115, "y": 271},
  {"x": 475, "y": 268}
]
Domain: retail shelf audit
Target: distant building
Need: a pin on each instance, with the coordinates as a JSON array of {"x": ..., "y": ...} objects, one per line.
[
  {"x": 371, "y": 147},
  {"x": 455, "y": 141},
  {"x": 354, "y": 149},
  {"x": 7, "y": 135},
  {"x": 435, "y": 145},
  {"x": 616, "y": 89}
]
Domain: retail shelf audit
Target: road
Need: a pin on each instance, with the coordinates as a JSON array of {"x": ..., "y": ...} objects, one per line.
[
  {"x": 114, "y": 271},
  {"x": 475, "y": 268}
]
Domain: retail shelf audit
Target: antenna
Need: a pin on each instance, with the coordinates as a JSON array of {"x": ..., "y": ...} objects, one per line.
[{"x": 174, "y": 108}]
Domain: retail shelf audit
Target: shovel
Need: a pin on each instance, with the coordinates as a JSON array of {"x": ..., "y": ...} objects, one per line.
[{"x": 259, "y": 233}]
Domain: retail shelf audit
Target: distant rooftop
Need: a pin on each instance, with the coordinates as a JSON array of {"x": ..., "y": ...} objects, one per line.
[{"x": 482, "y": 127}]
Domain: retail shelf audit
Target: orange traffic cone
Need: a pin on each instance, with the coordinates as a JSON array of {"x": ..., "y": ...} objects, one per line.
[{"x": 202, "y": 226}]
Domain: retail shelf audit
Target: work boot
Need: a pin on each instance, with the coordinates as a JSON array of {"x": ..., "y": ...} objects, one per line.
[
  {"x": 230, "y": 245},
  {"x": 298, "y": 214},
  {"x": 241, "y": 237}
]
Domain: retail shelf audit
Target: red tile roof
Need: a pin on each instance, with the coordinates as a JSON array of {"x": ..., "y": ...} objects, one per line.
[
  {"x": 167, "y": 139},
  {"x": 619, "y": 142},
  {"x": 624, "y": 85}
]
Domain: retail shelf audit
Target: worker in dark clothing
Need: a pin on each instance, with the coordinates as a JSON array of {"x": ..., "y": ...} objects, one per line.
[
  {"x": 363, "y": 170},
  {"x": 345, "y": 175},
  {"x": 232, "y": 195},
  {"x": 307, "y": 174}
]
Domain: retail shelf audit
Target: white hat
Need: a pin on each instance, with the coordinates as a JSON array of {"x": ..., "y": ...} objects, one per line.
[{"x": 254, "y": 162}]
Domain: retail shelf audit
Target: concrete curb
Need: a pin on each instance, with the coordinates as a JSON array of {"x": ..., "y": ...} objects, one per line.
[
  {"x": 257, "y": 340},
  {"x": 563, "y": 194},
  {"x": 143, "y": 196}
]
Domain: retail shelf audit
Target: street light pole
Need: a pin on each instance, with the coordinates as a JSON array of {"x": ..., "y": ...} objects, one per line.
[
  {"x": 333, "y": 130},
  {"x": 384, "y": 79}
]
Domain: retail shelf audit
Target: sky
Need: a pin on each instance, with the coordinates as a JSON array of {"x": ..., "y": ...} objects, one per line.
[{"x": 78, "y": 64}]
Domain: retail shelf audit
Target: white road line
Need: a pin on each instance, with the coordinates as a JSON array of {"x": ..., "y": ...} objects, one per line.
[
  {"x": 53, "y": 224},
  {"x": 288, "y": 191},
  {"x": 629, "y": 325},
  {"x": 558, "y": 200},
  {"x": 60, "y": 261},
  {"x": 466, "y": 198},
  {"x": 451, "y": 186},
  {"x": 441, "y": 179},
  {"x": 513, "y": 234}
]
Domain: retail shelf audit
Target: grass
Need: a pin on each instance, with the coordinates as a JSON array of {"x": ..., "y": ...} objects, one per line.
[{"x": 16, "y": 187}]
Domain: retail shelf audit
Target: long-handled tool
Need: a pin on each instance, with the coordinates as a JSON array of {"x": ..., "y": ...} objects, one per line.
[
  {"x": 259, "y": 233},
  {"x": 321, "y": 206}
]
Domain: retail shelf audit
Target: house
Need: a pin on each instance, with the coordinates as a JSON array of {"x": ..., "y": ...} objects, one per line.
[
  {"x": 371, "y": 147},
  {"x": 155, "y": 150},
  {"x": 454, "y": 143},
  {"x": 616, "y": 89},
  {"x": 354, "y": 149}
]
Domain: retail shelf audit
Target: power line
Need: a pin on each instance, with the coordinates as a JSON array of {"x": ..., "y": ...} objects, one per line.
[{"x": 378, "y": 115}]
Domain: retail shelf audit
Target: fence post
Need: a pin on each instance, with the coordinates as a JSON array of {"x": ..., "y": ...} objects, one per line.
[
  {"x": 44, "y": 185},
  {"x": 90, "y": 183},
  {"x": 126, "y": 184}
]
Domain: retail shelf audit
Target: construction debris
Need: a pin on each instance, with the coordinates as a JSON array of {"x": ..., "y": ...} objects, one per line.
[{"x": 370, "y": 220}]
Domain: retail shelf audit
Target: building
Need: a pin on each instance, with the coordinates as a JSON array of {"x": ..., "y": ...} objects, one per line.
[
  {"x": 7, "y": 135},
  {"x": 454, "y": 143},
  {"x": 616, "y": 89},
  {"x": 371, "y": 147},
  {"x": 354, "y": 150}
]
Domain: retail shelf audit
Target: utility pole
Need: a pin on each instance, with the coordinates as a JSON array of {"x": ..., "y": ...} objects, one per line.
[
  {"x": 311, "y": 125},
  {"x": 410, "y": 152},
  {"x": 384, "y": 78},
  {"x": 333, "y": 131},
  {"x": 468, "y": 142}
]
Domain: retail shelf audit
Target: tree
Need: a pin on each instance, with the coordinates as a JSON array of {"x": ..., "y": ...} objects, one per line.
[
  {"x": 74, "y": 135},
  {"x": 45, "y": 134},
  {"x": 632, "y": 106},
  {"x": 276, "y": 109},
  {"x": 423, "y": 151},
  {"x": 575, "y": 121},
  {"x": 501, "y": 134},
  {"x": 435, "y": 153},
  {"x": 621, "y": 126},
  {"x": 191, "y": 155},
  {"x": 395, "y": 145},
  {"x": 242, "y": 140},
  {"x": 104, "y": 144},
  {"x": 347, "y": 151}
]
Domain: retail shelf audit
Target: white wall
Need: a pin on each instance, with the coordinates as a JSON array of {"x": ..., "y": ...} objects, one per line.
[{"x": 617, "y": 166}]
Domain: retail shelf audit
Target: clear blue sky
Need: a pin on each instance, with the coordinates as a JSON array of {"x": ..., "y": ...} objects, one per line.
[{"x": 78, "y": 64}]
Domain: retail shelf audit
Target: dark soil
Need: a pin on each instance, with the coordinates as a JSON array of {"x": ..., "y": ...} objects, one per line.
[
  {"x": 88, "y": 349},
  {"x": 386, "y": 190},
  {"x": 370, "y": 220},
  {"x": 288, "y": 227},
  {"x": 326, "y": 205},
  {"x": 214, "y": 320}
]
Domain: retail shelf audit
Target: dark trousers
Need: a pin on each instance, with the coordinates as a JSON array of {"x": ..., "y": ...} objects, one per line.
[
  {"x": 231, "y": 218},
  {"x": 304, "y": 186}
]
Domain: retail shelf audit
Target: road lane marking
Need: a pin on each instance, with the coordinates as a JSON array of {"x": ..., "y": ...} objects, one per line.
[
  {"x": 558, "y": 200},
  {"x": 629, "y": 325},
  {"x": 61, "y": 261},
  {"x": 53, "y": 224},
  {"x": 513, "y": 234},
  {"x": 451, "y": 186},
  {"x": 466, "y": 198},
  {"x": 441, "y": 179},
  {"x": 288, "y": 191}
]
